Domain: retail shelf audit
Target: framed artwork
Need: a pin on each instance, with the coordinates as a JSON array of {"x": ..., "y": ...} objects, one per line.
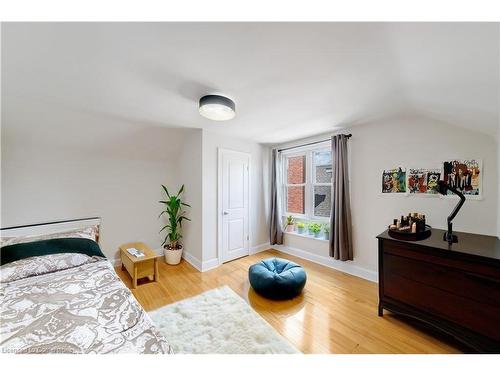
[
  {"x": 423, "y": 181},
  {"x": 394, "y": 181},
  {"x": 466, "y": 175}
]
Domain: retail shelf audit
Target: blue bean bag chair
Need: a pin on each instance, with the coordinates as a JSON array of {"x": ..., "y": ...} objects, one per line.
[{"x": 277, "y": 278}]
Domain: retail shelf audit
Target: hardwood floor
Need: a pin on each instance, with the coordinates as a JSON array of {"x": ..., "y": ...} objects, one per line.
[{"x": 336, "y": 313}]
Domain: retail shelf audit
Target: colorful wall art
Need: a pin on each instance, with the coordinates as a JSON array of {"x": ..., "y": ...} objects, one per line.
[
  {"x": 394, "y": 181},
  {"x": 464, "y": 175},
  {"x": 423, "y": 181}
]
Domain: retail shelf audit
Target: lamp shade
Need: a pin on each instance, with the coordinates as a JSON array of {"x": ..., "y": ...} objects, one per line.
[{"x": 217, "y": 107}]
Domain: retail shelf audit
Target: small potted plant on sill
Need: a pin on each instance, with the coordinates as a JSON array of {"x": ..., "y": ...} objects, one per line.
[
  {"x": 301, "y": 227},
  {"x": 326, "y": 231},
  {"x": 172, "y": 248},
  {"x": 289, "y": 227},
  {"x": 310, "y": 228},
  {"x": 314, "y": 229}
]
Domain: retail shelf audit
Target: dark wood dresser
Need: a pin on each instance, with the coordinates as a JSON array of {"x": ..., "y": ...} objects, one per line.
[{"x": 454, "y": 288}]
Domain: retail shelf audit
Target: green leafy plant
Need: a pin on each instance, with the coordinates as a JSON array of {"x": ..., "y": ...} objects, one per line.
[
  {"x": 173, "y": 208},
  {"x": 326, "y": 228},
  {"x": 289, "y": 223},
  {"x": 301, "y": 225},
  {"x": 314, "y": 227}
]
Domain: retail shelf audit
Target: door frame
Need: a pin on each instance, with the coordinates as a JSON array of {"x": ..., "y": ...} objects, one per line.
[{"x": 220, "y": 152}]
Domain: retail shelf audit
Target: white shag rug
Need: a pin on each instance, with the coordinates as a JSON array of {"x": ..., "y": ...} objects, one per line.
[{"x": 218, "y": 322}]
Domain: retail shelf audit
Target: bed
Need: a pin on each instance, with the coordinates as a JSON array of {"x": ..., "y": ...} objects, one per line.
[{"x": 59, "y": 294}]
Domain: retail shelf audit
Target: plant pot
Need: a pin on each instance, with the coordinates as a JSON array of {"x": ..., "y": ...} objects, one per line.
[
  {"x": 310, "y": 232},
  {"x": 327, "y": 236},
  {"x": 300, "y": 230},
  {"x": 317, "y": 235},
  {"x": 172, "y": 256},
  {"x": 290, "y": 228}
]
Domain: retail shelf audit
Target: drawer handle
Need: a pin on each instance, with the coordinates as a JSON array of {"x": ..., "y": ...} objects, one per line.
[{"x": 482, "y": 278}]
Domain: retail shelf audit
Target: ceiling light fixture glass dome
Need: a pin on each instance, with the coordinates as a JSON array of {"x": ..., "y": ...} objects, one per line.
[{"x": 217, "y": 107}]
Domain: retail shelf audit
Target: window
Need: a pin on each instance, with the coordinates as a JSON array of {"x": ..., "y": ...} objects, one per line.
[
  {"x": 308, "y": 182},
  {"x": 295, "y": 184},
  {"x": 322, "y": 182}
]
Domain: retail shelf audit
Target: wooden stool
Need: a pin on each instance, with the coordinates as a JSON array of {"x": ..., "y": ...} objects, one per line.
[{"x": 146, "y": 266}]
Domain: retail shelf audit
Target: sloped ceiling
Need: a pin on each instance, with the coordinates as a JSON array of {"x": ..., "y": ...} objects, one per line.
[{"x": 289, "y": 80}]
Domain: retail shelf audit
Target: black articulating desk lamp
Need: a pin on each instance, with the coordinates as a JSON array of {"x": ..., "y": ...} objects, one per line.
[{"x": 443, "y": 189}]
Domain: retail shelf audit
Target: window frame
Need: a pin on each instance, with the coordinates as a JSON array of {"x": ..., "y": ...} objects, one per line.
[
  {"x": 286, "y": 185},
  {"x": 314, "y": 183},
  {"x": 310, "y": 181}
]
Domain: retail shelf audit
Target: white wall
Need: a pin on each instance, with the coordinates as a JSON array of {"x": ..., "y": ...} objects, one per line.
[
  {"x": 60, "y": 164},
  {"x": 189, "y": 167},
  {"x": 418, "y": 142},
  {"x": 258, "y": 192},
  {"x": 415, "y": 142}
]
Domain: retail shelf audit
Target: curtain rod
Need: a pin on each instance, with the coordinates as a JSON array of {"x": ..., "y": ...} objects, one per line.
[{"x": 311, "y": 143}]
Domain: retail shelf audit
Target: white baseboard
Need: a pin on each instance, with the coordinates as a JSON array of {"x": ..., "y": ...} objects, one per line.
[
  {"x": 259, "y": 248},
  {"x": 210, "y": 264},
  {"x": 347, "y": 267},
  {"x": 194, "y": 261},
  {"x": 207, "y": 265},
  {"x": 191, "y": 259}
]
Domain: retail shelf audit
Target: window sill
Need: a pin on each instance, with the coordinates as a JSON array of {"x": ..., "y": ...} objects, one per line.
[
  {"x": 306, "y": 219},
  {"x": 305, "y": 235}
]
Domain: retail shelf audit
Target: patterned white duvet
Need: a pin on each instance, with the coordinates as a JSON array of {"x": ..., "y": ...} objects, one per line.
[{"x": 71, "y": 303}]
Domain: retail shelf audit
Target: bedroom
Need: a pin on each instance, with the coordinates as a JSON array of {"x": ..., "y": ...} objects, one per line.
[{"x": 310, "y": 220}]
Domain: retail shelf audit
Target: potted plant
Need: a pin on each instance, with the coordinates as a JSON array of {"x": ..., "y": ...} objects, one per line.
[
  {"x": 173, "y": 208},
  {"x": 326, "y": 231},
  {"x": 315, "y": 229},
  {"x": 309, "y": 228},
  {"x": 289, "y": 227},
  {"x": 301, "y": 227}
]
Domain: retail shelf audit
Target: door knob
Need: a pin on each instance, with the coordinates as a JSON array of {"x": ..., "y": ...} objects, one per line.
[{"x": 225, "y": 213}]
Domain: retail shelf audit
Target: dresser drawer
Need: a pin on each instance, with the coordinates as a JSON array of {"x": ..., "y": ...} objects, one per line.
[
  {"x": 433, "y": 256},
  {"x": 475, "y": 315},
  {"x": 476, "y": 287}
]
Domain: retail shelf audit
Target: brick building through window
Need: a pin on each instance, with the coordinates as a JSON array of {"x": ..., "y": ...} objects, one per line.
[
  {"x": 296, "y": 179},
  {"x": 307, "y": 188}
]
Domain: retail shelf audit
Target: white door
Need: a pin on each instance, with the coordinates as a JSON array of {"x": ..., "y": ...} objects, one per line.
[{"x": 233, "y": 204}]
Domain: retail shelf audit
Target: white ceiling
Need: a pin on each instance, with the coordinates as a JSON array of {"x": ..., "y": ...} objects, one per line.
[{"x": 289, "y": 80}]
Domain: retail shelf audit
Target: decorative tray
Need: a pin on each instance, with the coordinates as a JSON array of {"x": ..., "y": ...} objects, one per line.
[{"x": 409, "y": 236}]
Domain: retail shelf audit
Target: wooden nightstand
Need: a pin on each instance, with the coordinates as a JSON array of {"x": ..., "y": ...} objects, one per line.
[{"x": 146, "y": 266}]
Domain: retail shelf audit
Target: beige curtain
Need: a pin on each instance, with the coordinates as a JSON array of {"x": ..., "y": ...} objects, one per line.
[
  {"x": 276, "y": 231},
  {"x": 340, "y": 219}
]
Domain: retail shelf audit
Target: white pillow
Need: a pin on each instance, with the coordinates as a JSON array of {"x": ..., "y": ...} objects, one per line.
[{"x": 40, "y": 265}]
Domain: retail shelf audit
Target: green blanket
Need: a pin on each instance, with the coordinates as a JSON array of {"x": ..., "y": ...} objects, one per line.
[{"x": 15, "y": 252}]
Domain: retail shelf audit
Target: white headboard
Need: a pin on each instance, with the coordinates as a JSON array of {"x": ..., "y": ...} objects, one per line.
[{"x": 51, "y": 227}]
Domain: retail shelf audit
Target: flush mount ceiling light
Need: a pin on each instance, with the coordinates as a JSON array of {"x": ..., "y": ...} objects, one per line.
[{"x": 217, "y": 107}]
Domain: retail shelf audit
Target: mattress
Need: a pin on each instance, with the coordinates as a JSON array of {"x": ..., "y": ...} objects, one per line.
[{"x": 71, "y": 303}]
